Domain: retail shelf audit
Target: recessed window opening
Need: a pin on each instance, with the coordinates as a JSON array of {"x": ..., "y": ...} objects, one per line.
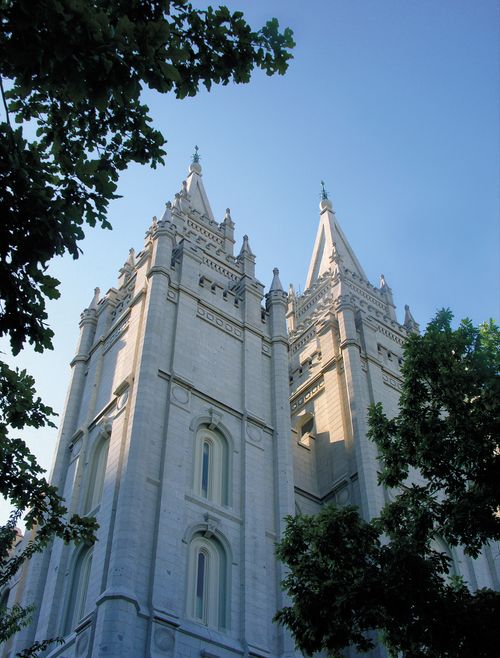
[
  {"x": 79, "y": 585},
  {"x": 307, "y": 427},
  {"x": 96, "y": 475},
  {"x": 208, "y": 583},
  {"x": 211, "y": 467}
]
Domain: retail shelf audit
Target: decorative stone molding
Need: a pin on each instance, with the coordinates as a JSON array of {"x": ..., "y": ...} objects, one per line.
[
  {"x": 390, "y": 334},
  {"x": 219, "y": 322},
  {"x": 164, "y": 640},
  {"x": 215, "y": 418},
  {"x": 104, "y": 426},
  {"x": 391, "y": 381},
  {"x": 211, "y": 525},
  {"x": 172, "y": 295},
  {"x": 254, "y": 433},
  {"x": 115, "y": 334},
  {"x": 180, "y": 394},
  {"x": 308, "y": 394}
]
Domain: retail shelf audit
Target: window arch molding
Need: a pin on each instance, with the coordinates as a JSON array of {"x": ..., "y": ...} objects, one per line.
[
  {"x": 209, "y": 560},
  {"x": 96, "y": 471},
  {"x": 213, "y": 458}
]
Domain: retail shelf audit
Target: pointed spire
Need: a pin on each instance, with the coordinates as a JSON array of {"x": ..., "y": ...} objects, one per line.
[
  {"x": 131, "y": 257},
  {"x": 167, "y": 214},
  {"x": 291, "y": 292},
  {"x": 328, "y": 233},
  {"x": 383, "y": 283},
  {"x": 228, "y": 220},
  {"x": 245, "y": 248},
  {"x": 177, "y": 202},
  {"x": 194, "y": 188},
  {"x": 409, "y": 323},
  {"x": 95, "y": 300},
  {"x": 276, "y": 283},
  {"x": 246, "y": 259}
]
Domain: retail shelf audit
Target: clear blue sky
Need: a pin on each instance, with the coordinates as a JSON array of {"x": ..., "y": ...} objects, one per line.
[{"x": 395, "y": 104}]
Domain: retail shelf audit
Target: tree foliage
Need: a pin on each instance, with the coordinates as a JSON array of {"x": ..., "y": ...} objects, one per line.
[
  {"x": 72, "y": 78},
  {"x": 75, "y": 73},
  {"x": 353, "y": 581}
]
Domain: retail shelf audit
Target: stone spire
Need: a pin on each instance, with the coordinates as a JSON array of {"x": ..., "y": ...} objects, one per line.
[
  {"x": 277, "y": 297},
  {"x": 409, "y": 322},
  {"x": 198, "y": 200},
  {"x": 95, "y": 300},
  {"x": 227, "y": 226},
  {"x": 245, "y": 248},
  {"x": 387, "y": 291},
  {"x": 276, "y": 283},
  {"x": 228, "y": 221},
  {"x": 131, "y": 258},
  {"x": 330, "y": 239},
  {"x": 128, "y": 268},
  {"x": 246, "y": 258}
]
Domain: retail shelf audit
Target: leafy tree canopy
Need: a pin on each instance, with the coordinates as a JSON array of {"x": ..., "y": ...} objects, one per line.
[
  {"x": 75, "y": 71},
  {"x": 72, "y": 75},
  {"x": 352, "y": 582}
]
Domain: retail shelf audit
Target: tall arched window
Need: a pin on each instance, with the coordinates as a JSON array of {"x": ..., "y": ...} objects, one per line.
[
  {"x": 208, "y": 582},
  {"x": 97, "y": 471},
  {"x": 78, "y": 589},
  {"x": 211, "y": 471}
]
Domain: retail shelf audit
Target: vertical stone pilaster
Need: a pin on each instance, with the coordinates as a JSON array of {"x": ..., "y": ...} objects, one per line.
[
  {"x": 130, "y": 559},
  {"x": 276, "y": 303},
  {"x": 357, "y": 400}
]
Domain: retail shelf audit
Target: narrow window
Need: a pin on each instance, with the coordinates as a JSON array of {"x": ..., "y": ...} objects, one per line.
[
  {"x": 208, "y": 583},
  {"x": 96, "y": 475},
  {"x": 211, "y": 467},
  {"x": 201, "y": 585},
  {"x": 79, "y": 586},
  {"x": 205, "y": 465}
]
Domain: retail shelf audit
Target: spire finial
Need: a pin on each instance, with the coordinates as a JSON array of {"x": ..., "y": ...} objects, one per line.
[
  {"x": 324, "y": 193},
  {"x": 195, "y": 162},
  {"x": 325, "y": 203}
]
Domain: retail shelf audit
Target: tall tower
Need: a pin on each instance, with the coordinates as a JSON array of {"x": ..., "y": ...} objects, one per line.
[
  {"x": 176, "y": 438},
  {"x": 195, "y": 423},
  {"x": 346, "y": 349},
  {"x": 345, "y": 352}
]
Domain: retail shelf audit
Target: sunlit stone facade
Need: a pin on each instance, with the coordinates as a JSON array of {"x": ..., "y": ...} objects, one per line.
[{"x": 201, "y": 411}]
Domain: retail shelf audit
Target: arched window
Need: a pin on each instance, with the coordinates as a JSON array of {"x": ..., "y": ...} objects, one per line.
[
  {"x": 211, "y": 470},
  {"x": 207, "y": 583},
  {"x": 97, "y": 471},
  {"x": 78, "y": 589}
]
